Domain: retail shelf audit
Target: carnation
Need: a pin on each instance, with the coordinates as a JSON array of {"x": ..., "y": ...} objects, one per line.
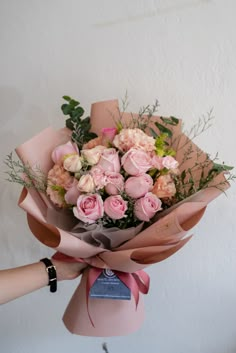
[
  {"x": 59, "y": 180},
  {"x": 134, "y": 138}
]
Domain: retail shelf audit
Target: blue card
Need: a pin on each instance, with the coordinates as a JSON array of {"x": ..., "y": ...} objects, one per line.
[{"x": 109, "y": 286}]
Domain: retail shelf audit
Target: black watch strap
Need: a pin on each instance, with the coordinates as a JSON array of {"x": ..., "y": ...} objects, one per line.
[{"x": 52, "y": 274}]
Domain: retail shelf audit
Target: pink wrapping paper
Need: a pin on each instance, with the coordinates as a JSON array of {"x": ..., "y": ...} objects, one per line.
[
  {"x": 157, "y": 242},
  {"x": 110, "y": 317}
]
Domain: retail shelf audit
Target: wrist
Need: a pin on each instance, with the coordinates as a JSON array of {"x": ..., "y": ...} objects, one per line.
[{"x": 52, "y": 274}]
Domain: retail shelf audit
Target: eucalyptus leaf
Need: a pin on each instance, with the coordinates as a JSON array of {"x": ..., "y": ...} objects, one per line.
[
  {"x": 153, "y": 133},
  {"x": 74, "y": 103},
  {"x": 171, "y": 120},
  {"x": 66, "y": 108},
  {"x": 163, "y": 129},
  {"x": 183, "y": 176},
  {"x": 70, "y": 124},
  {"x": 67, "y": 98},
  {"x": 77, "y": 112},
  {"x": 221, "y": 167}
]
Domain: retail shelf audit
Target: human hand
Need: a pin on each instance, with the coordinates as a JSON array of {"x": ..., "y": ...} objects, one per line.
[{"x": 68, "y": 270}]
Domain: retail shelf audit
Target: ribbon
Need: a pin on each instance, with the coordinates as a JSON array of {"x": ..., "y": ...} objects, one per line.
[{"x": 138, "y": 281}]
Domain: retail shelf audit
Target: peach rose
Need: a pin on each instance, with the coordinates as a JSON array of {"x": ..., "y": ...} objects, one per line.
[
  {"x": 164, "y": 187},
  {"x": 93, "y": 143}
]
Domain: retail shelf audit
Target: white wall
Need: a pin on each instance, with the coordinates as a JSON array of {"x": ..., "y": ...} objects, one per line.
[{"x": 182, "y": 52}]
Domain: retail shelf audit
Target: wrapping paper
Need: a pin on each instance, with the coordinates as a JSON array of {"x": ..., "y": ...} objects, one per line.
[{"x": 163, "y": 238}]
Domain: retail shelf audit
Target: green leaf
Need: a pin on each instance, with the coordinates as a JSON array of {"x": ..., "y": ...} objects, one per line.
[
  {"x": 67, "y": 98},
  {"x": 153, "y": 133},
  {"x": 74, "y": 103},
  {"x": 171, "y": 120},
  {"x": 221, "y": 167},
  {"x": 163, "y": 129},
  {"x": 183, "y": 176},
  {"x": 77, "y": 113},
  {"x": 175, "y": 121},
  {"x": 86, "y": 121},
  {"x": 70, "y": 124},
  {"x": 92, "y": 135},
  {"x": 66, "y": 108}
]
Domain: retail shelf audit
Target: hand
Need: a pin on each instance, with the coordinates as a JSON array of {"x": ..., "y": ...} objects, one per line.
[{"x": 68, "y": 270}]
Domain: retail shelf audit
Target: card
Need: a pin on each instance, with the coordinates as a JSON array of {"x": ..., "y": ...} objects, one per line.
[{"x": 109, "y": 286}]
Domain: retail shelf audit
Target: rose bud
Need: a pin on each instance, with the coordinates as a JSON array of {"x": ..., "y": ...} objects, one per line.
[
  {"x": 86, "y": 183},
  {"x": 61, "y": 151},
  {"x": 93, "y": 155},
  {"x": 73, "y": 163},
  {"x": 170, "y": 162}
]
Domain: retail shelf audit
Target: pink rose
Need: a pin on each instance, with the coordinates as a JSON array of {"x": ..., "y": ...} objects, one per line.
[
  {"x": 108, "y": 134},
  {"x": 138, "y": 186},
  {"x": 93, "y": 155},
  {"x": 99, "y": 177},
  {"x": 115, "y": 183},
  {"x": 136, "y": 162},
  {"x": 115, "y": 207},
  {"x": 61, "y": 151},
  {"x": 109, "y": 160},
  {"x": 72, "y": 193},
  {"x": 157, "y": 162},
  {"x": 164, "y": 186},
  {"x": 134, "y": 138},
  {"x": 89, "y": 208},
  {"x": 146, "y": 207},
  {"x": 86, "y": 183},
  {"x": 169, "y": 162}
]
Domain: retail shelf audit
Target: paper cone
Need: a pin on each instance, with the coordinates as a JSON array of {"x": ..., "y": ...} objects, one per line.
[{"x": 110, "y": 317}]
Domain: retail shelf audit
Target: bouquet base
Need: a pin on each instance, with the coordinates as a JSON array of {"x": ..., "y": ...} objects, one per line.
[{"x": 102, "y": 317}]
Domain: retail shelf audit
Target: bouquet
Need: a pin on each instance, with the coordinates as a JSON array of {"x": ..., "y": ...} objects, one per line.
[{"x": 118, "y": 199}]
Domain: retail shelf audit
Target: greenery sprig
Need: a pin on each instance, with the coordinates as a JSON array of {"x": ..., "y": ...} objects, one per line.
[
  {"x": 25, "y": 175},
  {"x": 80, "y": 127},
  {"x": 140, "y": 121}
]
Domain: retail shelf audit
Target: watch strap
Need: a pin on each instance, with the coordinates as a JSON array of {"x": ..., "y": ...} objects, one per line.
[{"x": 52, "y": 274}]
